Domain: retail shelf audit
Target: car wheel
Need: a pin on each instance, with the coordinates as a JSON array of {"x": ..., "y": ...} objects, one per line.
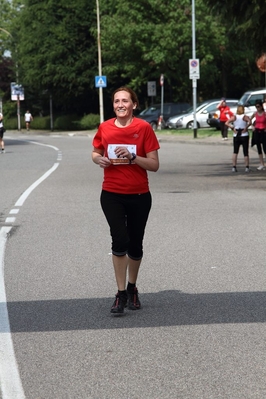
[
  {"x": 190, "y": 125},
  {"x": 153, "y": 125}
]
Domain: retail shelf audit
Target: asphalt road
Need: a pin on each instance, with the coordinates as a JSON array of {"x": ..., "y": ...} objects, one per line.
[{"x": 201, "y": 333}]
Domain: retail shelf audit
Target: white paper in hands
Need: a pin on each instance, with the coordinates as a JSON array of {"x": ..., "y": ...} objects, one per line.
[{"x": 113, "y": 157}]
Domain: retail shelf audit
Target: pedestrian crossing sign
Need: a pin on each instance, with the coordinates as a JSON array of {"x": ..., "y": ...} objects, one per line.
[{"x": 100, "y": 81}]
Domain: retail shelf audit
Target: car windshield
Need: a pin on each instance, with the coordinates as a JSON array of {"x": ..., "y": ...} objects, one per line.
[
  {"x": 243, "y": 99},
  {"x": 198, "y": 107},
  {"x": 149, "y": 111}
]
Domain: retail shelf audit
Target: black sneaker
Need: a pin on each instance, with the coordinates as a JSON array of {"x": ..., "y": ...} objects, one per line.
[
  {"x": 133, "y": 299},
  {"x": 119, "y": 304}
]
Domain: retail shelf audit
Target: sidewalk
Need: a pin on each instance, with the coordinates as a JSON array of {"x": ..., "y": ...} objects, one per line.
[{"x": 162, "y": 137}]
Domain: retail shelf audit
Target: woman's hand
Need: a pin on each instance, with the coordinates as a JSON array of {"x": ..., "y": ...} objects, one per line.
[
  {"x": 104, "y": 162},
  {"x": 122, "y": 152}
]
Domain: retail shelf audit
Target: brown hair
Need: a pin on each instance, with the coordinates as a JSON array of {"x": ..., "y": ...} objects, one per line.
[
  {"x": 240, "y": 110},
  {"x": 133, "y": 95}
]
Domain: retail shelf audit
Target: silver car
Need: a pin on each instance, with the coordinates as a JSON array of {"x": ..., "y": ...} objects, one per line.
[{"x": 186, "y": 121}]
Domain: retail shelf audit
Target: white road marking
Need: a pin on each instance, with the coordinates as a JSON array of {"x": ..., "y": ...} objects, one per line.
[
  {"x": 10, "y": 382},
  {"x": 14, "y": 211},
  {"x": 10, "y": 220},
  {"x": 45, "y": 145},
  {"x": 11, "y": 386},
  {"x": 26, "y": 193}
]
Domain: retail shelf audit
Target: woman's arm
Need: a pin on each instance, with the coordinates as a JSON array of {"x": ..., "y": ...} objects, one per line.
[
  {"x": 99, "y": 159},
  {"x": 150, "y": 162},
  {"x": 229, "y": 122}
]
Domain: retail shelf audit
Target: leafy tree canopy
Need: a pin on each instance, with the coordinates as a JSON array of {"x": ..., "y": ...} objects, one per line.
[
  {"x": 246, "y": 17},
  {"x": 54, "y": 47}
]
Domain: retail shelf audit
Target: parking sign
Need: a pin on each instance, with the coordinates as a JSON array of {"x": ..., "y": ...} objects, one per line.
[{"x": 194, "y": 72}]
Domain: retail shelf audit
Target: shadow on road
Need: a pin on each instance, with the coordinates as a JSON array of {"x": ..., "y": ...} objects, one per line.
[{"x": 162, "y": 309}]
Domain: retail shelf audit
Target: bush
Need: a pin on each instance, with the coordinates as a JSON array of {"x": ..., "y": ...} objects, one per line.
[
  {"x": 67, "y": 122},
  {"x": 10, "y": 123},
  {"x": 38, "y": 123},
  {"x": 90, "y": 121}
]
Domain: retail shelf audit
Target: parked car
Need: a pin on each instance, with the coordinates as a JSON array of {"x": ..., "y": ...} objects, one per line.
[
  {"x": 152, "y": 114},
  {"x": 202, "y": 113},
  {"x": 249, "y": 99},
  {"x": 214, "y": 120}
]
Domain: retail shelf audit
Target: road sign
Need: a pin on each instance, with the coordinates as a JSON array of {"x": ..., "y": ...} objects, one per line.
[
  {"x": 100, "y": 81},
  {"x": 17, "y": 92},
  {"x": 161, "y": 80},
  {"x": 151, "y": 89},
  {"x": 194, "y": 72}
]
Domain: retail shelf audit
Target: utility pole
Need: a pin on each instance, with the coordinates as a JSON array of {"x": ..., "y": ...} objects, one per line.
[
  {"x": 17, "y": 80},
  {"x": 99, "y": 60},
  {"x": 194, "y": 81}
]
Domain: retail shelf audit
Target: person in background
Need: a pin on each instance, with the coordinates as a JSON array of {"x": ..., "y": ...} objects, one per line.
[
  {"x": 264, "y": 104},
  {"x": 126, "y": 148},
  {"x": 2, "y": 130},
  {"x": 239, "y": 123},
  {"x": 225, "y": 114},
  {"x": 259, "y": 132},
  {"x": 28, "y": 119}
]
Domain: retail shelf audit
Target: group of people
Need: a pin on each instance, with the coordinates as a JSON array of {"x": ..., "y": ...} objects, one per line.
[{"x": 239, "y": 123}]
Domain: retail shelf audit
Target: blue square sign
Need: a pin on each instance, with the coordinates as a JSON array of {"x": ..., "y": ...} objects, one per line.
[{"x": 100, "y": 81}]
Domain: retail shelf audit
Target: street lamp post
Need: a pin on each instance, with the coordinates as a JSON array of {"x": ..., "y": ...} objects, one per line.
[
  {"x": 99, "y": 60},
  {"x": 194, "y": 81},
  {"x": 17, "y": 82}
]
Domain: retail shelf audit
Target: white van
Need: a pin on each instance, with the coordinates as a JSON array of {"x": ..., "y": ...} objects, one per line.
[{"x": 249, "y": 99}]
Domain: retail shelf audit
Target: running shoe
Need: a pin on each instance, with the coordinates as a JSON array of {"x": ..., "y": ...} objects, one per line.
[
  {"x": 234, "y": 169},
  {"x": 247, "y": 170},
  {"x": 119, "y": 304},
  {"x": 261, "y": 167},
  {"x": 133, "y": 299}
]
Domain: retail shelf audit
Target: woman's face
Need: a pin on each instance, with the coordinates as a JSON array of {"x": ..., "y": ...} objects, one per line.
[{"x": 123, "y": 104}]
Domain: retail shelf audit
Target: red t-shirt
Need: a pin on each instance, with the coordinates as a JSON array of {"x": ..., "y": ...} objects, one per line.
[
  {"x": 125, "y": 178},
  {"x": 225, "y": 113}
]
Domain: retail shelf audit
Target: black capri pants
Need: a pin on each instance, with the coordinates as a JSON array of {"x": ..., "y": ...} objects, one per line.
[
  {"x": 127, "y": 215},
  {"x": 260, "y": 140},
  {"x": 241, "y": 140}
]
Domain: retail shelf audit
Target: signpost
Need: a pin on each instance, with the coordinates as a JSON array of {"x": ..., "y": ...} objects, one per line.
[
  {"x": 17, "y": 94},
  {"x": 100, "y": 81},
  {"x": 162, "y": 94},
  {"x": 194, "y": 69}
]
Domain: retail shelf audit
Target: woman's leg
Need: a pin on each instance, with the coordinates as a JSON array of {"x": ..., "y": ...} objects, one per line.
[
  {"x": 234, "y": 160},
  {"x": 222, "y": 124},
  {"x": 120, "y": 267}
]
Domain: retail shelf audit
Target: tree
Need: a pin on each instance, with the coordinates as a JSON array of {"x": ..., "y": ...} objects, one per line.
[
  {"x": 143, "y": 39},
  {"x": 56, "y": 51},
  {"x": 246, "y": 17}
]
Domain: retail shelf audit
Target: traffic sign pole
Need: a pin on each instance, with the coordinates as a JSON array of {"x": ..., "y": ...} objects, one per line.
[
  {"x": 194, "y": 81},
  {"x": 162, "y": 95}
]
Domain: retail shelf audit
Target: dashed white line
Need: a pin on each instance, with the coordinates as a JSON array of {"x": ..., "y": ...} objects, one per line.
[
  {"x": 10, "y": 220},
  {"x": 14, "y": 211}
]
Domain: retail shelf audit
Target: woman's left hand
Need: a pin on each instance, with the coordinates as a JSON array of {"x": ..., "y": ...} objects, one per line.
[{"x": 122, "y": 152}]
